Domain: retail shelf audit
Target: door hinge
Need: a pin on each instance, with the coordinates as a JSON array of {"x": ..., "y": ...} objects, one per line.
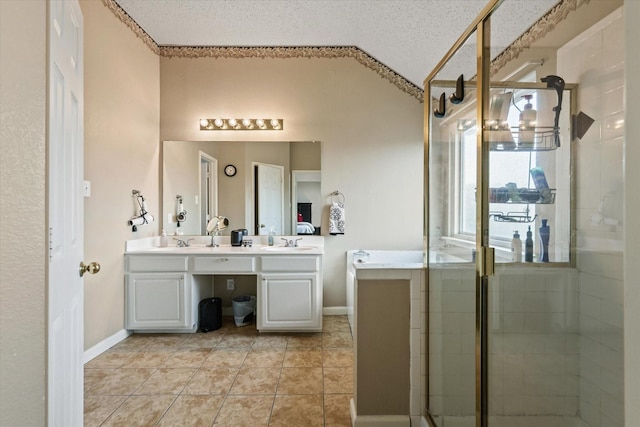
[
  {"x": 486, "y": 261},
  {"x": 50, "y": 243}
]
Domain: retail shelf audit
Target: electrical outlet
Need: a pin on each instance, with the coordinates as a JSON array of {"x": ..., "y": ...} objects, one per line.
[{"x": 231, "y": 285}]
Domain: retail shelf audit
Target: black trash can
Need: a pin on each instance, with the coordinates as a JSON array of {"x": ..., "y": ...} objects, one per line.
[{"x": 210, "y": 314}]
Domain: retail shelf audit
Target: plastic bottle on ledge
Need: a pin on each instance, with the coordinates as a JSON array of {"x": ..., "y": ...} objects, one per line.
[
  {"x": 545, "y": 232},
  {"x": 528, "y": 247},
  {"x": 516, "y": 247},
  {"x": 527, "y": 123}
]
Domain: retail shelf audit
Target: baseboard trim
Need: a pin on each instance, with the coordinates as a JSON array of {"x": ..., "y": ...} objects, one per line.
[
  {"x": 105, "y": 345},
  {"x": 334, "y": 311},
  {"x": 377, "y": 420}
]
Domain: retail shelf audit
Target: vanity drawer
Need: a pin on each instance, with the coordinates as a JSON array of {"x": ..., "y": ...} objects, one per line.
[
  {"x": 157, "y": 263},
  {"x": 290, "y": 263},
  {"x": 223, "y": 264}
]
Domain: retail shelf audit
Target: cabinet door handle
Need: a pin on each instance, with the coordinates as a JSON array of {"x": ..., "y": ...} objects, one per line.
[{"x": 223, "y": 259}]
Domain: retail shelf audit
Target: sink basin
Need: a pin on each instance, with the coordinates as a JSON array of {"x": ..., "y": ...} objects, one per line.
[
  {"x": 289, "y": 248},
  {"x": 189, "y": 248}
]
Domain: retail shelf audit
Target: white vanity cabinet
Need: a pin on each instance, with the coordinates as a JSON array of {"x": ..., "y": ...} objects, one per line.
[
  {"x": 290, "y": 294},
  {"x": 164, "y": 285},
  {"x": 159, "y": 295}
]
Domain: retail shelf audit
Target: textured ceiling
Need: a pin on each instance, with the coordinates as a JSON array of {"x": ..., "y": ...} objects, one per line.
[{"x": 409, "y": 36}]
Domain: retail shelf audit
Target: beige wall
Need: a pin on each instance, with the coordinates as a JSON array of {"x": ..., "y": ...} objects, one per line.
[
  {"x": 122, "y": 113},
  {"x": 22, "y": 178},
  {"x": 382, "y": 352},
  {"x": 371, "y": 136}
]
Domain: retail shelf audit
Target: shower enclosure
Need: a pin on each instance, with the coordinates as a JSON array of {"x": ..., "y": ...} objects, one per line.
[{"x": 524, "y": 230}]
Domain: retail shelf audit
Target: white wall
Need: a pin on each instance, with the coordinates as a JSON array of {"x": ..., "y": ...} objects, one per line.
[
  {"x": 595, "y": 60},
  {"x": 23, "y": 96}
]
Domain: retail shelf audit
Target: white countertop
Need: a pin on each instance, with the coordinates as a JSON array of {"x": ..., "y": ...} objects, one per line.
[{"x": 309, "y": 245}]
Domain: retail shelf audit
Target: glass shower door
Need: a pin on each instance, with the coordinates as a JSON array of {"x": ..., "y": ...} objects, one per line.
[
  {"x": 532, "y": 335},
  {"x": 451, "y": 274}
]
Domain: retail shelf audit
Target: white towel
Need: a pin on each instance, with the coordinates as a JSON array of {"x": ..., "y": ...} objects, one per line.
[{"x": 336, "y": 218}]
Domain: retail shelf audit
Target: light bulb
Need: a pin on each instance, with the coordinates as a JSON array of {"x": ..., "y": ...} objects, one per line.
[
  {"x": 204, "y": 123},
  {"x": 232, "y": 122},
  {"x": 275, "y": 123},
  {"x": 246, "y": 123},
  {"x": 218, "y": 122},
  {"x": 260, "y": 123}
]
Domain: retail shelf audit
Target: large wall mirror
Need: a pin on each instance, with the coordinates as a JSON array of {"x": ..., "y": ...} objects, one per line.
[{"x": 269, "y": 184}]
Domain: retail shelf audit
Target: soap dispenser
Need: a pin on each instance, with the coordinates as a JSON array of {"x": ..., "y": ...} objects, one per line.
[
  {"x": 528, "y": 247},
  {"x": 527, "y": 123},
  {"x": 270, "y": 238},
  {"x": 516, "y": 247},
  {"x": 164, "y": 241}
]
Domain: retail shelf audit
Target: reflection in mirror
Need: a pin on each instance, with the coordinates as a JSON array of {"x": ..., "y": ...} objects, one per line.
[
  {"x": 305, "y": 217},
  {"x": 196, "y": 171},
  {"x": 268, "y": 190}
]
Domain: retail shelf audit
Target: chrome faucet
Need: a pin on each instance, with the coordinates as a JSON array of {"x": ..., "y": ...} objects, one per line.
[
  {"x": 291, "y": 243},
  {"x": 182, "y": 243},
  {"x": 214, "y": 244}
]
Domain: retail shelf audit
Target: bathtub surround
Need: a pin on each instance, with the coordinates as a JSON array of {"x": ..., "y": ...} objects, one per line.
[{"x": 386, "y": 306}]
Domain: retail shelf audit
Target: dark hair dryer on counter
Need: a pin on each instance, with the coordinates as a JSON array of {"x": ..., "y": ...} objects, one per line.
[{"x": 237, "y": 235}]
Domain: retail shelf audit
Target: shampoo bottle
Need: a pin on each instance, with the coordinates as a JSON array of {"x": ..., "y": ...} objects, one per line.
[
  {"x": 527, "y": 123},
  {"x": 164, "y": 241},
  {"x": 528, "y": 247},
  {"x": 270, "y": 238},
  {"x": 545, "y": 232},
  {"x": 516, "y": 247}
]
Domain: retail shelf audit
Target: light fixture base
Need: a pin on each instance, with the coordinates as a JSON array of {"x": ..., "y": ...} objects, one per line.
[{"x": 241, "y": 124}]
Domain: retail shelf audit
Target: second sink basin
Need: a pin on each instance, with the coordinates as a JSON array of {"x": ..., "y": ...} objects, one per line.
[{"x": 288, "y": 248}]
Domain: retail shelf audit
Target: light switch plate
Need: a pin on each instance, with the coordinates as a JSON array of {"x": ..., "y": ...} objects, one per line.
[{"x": 86, "y": 188}]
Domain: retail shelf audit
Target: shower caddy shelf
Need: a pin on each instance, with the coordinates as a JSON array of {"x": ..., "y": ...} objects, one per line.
[{"x": 546, "y": 138}]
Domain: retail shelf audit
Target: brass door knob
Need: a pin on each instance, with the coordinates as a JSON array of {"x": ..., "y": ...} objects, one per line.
[{"x": 92, "y": 268}]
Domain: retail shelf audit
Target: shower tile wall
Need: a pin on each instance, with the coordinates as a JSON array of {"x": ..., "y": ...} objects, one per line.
[
  {"x": 595, "y": 59},
  {"x": 452, "y": 341},
  {"x": 533, "y": 338},
  {"x": 533, "y": 333}
]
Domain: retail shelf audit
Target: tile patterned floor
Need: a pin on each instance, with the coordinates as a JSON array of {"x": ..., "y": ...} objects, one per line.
[{"x": 229, "y": 377}]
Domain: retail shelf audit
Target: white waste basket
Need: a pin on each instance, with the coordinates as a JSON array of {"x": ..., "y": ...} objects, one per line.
[{"x": 244, "y": 308}]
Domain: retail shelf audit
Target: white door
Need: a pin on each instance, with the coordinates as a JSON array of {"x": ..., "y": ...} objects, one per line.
[
  {"x": 208, "y": 190},
  {"x": 65, "y": 157},
  {"x": 269, "y": 191}
]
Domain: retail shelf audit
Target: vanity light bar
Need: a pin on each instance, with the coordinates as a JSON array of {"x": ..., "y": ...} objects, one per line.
[{"x": 241, "y": 124}]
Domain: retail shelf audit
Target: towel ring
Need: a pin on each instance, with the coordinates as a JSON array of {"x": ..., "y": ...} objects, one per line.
[{"x": 338, "y": 195}]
